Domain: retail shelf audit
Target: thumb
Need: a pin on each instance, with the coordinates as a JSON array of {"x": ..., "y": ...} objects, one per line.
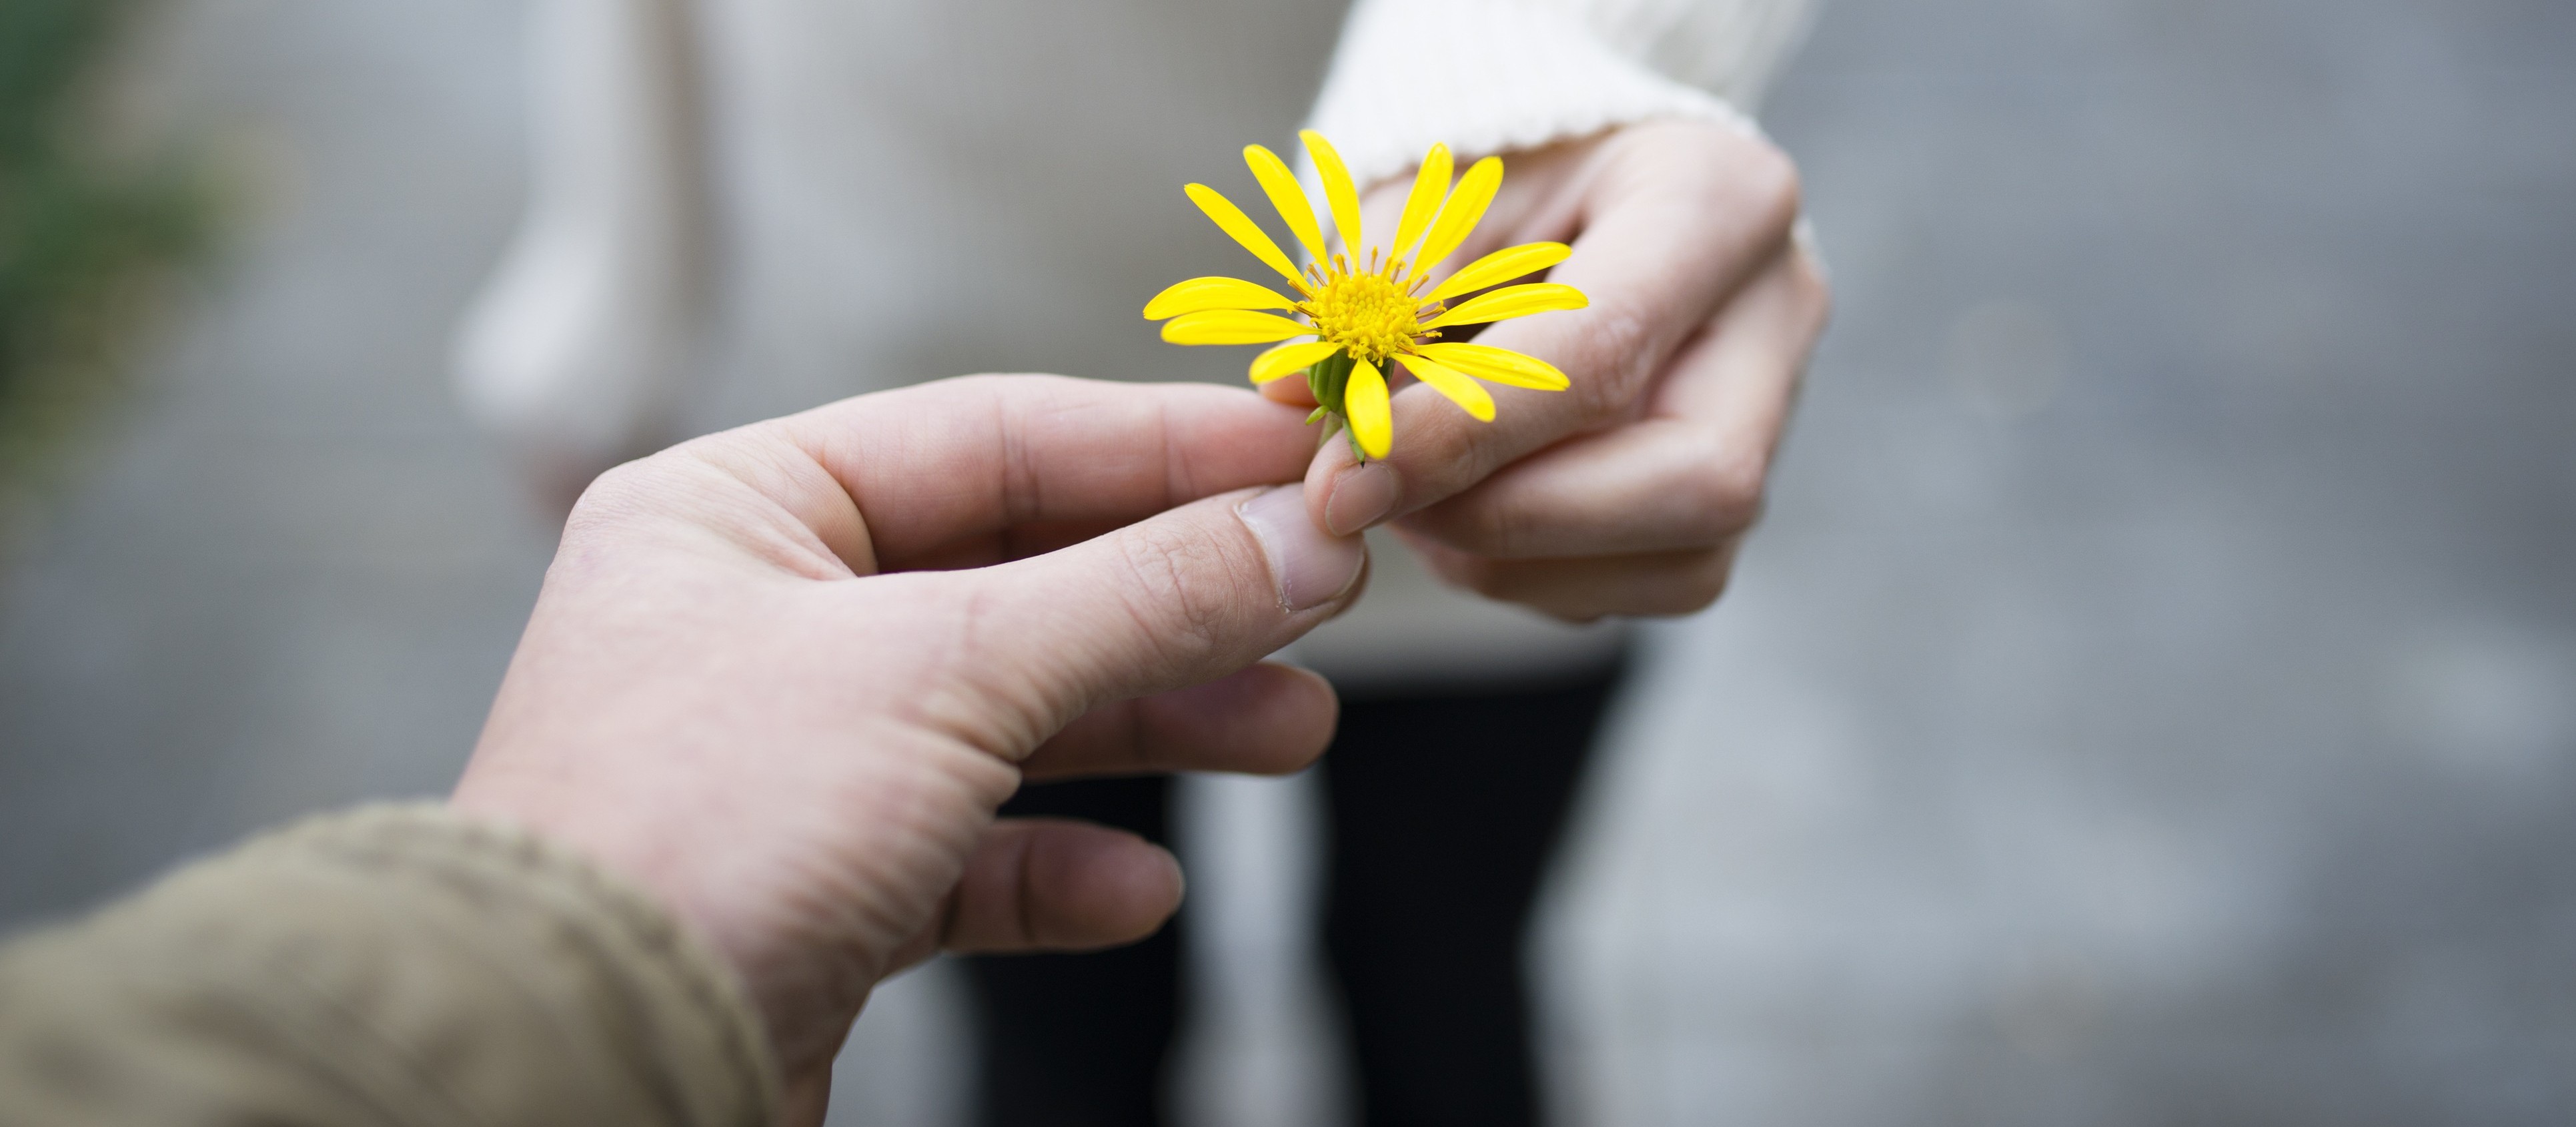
[{"x": 1184, "y": 597}]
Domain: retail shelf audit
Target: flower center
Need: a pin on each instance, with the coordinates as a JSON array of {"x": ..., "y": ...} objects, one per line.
[{"x": 1367, "y": 314}]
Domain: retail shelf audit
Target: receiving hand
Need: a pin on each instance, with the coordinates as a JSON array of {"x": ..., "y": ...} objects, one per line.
[
  {"x": 743, "y": 688},
  {"x": 1628, "y": 493}
]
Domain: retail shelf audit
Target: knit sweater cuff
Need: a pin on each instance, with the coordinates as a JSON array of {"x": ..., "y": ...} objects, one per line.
[{"x": 1485, "y": 76}]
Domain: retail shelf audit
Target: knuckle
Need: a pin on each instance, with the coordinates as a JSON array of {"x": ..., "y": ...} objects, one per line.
[
  {"x": 628, "y": 493},
  {"x": 1176, "y": 612},
  {"x": 1692, "y": 588},
  {"x": 1813, "y": 298},
  {"x": 1774, "y": 182},
  {"x": 1723, "y": 492},
  {"x": 1747, "y": 168},
  {"x": 1619, "y": 335},
  {"x": 1751, "y": 173},
  {"x": 1701, "y": 588},
  {"x": 1814, "y": 290},
  {"x": 1168, "y": 599},
  {"x": 620, "y": 489}
]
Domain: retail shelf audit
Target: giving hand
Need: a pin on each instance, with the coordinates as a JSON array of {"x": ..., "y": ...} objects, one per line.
[{"x": 782, "y": 676}]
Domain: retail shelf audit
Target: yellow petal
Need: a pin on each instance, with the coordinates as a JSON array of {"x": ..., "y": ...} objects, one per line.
[
  {"x": 1428, "y": 186},
  {"x": 1232, "y": 326},
  {"x": 1501, "y": 266},
  {"x": 1281, "y": 186},
  {"x": 1458, "y": 217},
  {"x": 1365, "y": 398},
  {"x": 1338, "y": 190},
  {"x": 1289, "y": 359},
  {"x": 1234, "y": 222},
  {"x": 1500, "y": 365},
  {"x": 1212, "y": 293},
  {"x": 1460, "y": 390},
  {"x": 1512, "y": 301}
]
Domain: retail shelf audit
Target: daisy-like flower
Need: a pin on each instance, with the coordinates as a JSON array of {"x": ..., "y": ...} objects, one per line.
[{"x": 1367, "y": 315}]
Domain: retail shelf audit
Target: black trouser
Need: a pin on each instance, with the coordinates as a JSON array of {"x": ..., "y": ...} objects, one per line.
[{"x": 1444, "y": 811}]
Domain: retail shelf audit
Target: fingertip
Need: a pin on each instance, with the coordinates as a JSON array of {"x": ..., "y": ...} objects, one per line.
[
  {"x": 1054, "y": 884},
  {"x": 1094, "y": 886},
  {"x": 1179, "y": 878},
  {"x": 1278, "y": 718},
  {"x": 1265, "y": 719},
  {"x": 1290, "y": 391},
  {"x": 1329, "y": 478},
  {"x": 1359, "y": 497}
]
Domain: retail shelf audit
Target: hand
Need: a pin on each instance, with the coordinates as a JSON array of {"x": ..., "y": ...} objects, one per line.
[
  {"x": 1628, "y": 493},
  {"x": 740, "y": 689}
]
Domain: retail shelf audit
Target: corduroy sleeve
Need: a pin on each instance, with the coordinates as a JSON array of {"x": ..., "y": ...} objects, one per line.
[
  {"x": 391, "y": 965},
  {"x": 1487, "y": 76}
]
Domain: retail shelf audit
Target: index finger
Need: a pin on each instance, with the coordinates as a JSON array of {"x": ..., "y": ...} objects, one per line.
[
  {"x": 943, "y": 473},
  {"x": 1672, "y": 223}
]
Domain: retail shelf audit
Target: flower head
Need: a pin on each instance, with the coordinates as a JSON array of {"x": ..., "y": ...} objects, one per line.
[{"x": 1370, "y": 311}]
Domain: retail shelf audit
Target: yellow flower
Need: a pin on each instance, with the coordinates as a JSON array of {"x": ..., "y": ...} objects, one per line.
[{"x": 1369, "y": 313}]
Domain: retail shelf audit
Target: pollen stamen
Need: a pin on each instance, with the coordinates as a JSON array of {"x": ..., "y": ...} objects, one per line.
[{"x": 1368, "y": 314}]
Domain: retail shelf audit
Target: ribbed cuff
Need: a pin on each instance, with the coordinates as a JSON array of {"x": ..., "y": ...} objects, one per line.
[{"x": 1485, "y": 76}]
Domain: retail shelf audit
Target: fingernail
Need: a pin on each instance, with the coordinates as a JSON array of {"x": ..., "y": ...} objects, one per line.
[
  {"x": 1309, "y": 567},
  {"x": 1361, "y": 497}
]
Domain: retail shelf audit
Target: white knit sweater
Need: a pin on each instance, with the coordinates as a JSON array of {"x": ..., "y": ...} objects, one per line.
[
  {"x": 1490, "y": 76},
  {"x": 855, "y": 194}
]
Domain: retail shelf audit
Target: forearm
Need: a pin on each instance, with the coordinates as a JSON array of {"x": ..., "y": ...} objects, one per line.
[{"x": 391, "y": 965}]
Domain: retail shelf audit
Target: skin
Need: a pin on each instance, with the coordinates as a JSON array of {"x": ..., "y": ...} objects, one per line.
[
  {"x": 739, "y": 690},
  {"x": 1629, "y": 493},
  {"x": 782, "y": 677}
]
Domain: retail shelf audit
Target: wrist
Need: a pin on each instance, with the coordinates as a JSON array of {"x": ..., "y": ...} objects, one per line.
[{"x": 646, "y": 865}]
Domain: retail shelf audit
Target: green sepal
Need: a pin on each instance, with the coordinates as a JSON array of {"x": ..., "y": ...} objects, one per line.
[{"x": 1327, "y": 378}]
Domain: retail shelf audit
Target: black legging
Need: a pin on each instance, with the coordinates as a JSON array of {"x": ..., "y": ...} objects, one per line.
[{"x": 1444, "y": 811}]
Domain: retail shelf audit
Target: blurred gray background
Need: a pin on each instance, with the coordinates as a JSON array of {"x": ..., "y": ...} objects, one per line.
[{"x": 2152, "y": 700}]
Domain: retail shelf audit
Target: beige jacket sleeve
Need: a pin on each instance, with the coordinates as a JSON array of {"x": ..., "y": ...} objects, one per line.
[{"x": 395, "y": 965}]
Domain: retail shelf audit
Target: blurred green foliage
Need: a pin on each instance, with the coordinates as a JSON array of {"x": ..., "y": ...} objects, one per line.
[{"x": 88, "y": 238}]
